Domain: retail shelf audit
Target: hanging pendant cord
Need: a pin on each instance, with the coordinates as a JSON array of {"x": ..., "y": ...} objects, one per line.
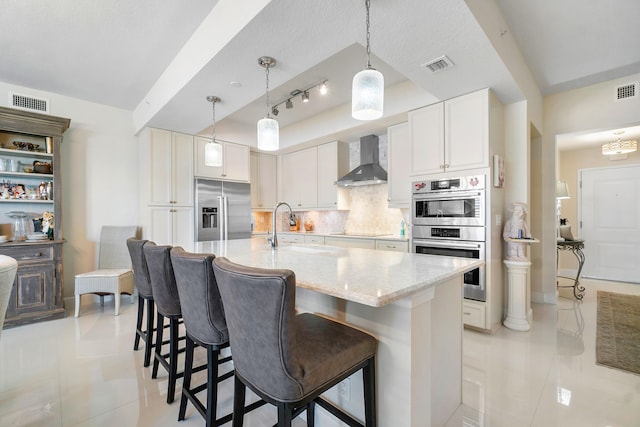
[
  {"x": 213, "y": 128},
  {"x": 267, "y": 98},
  {"x": 367, "y": 4}
]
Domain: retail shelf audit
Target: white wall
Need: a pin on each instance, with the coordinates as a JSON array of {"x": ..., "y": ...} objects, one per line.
[
  {"x": 591, "y": 108},
  {"x": 99, "y": 175}
]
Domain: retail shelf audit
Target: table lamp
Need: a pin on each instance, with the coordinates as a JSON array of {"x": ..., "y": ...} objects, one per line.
[{"x": 562, "y": 192}]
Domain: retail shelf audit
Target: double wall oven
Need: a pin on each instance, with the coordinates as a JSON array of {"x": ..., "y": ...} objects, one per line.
[{"x": 448, "y": 219}]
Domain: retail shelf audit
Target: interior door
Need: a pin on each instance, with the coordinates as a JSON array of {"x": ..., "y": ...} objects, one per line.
[{"x": 610, "y": 220}]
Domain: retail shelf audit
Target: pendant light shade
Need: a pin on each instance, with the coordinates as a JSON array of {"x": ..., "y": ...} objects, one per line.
[
  {"x": 268, "y": 134},
  {"x": 268, "y": 128},
  {"x": 367, "y": 94},
  {"x": 213, "y": 149}
]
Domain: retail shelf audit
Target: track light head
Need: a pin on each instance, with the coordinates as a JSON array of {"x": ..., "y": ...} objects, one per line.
[
  {"x": 323, "y": 88},
  {"x": 289, "y": 104},
  {"x": 305, "y": 96},
  {"x": 274, "y": 111}
]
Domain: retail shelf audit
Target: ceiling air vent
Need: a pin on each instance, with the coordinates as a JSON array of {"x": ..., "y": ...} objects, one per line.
[
  {"x": 29, "y": 103},
  {"x": 438, "y": 64},
  {"x": 629, "y": 90}
]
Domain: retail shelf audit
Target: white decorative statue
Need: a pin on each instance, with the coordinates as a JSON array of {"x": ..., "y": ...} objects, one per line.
[{"x": 517, "y": 228}]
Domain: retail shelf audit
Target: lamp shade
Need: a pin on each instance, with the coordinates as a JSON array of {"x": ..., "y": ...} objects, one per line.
[
  {"x": 367, "y": 95},
  {"x": 562, "y": 191},
  {"x": 213, "y": 154},
  {"x": 268, "y": 134}
]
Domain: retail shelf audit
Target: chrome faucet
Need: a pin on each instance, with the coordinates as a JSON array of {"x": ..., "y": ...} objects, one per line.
[{"x": 274, "y": 237}]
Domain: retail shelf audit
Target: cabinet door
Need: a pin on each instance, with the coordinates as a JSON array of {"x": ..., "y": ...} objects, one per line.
[
  {"x": 399, "y": 182},
  {"x": 33, "y": 289},
  {"x": 236, "y": 162},
  {"x": 263, "y": 180},
  {"x": 161, "y": 225},
  {"x": 200, "y": 169},
  {"x": 307, "y": 177},
  {"x": 327, "y": 175},
  {"x": 182, "y": 169},
  {"x": 183, "y": 227},
  {"x": 160, "y": 179},
  {"x": 427, "y": 139},
  {"x": 467, "y": 131}
]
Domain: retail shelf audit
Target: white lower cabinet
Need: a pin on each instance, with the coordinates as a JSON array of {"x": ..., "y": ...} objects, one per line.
[
  {"x": 392, "y": 245},
  {"x": 348, "y": 242},
  {"x": 290, "y": 238},
  {"x": 473, "y": 314},
  {"x": 173, "y": 225}
]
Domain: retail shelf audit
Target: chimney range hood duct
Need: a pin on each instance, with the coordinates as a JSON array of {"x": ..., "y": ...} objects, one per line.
[{"x": 369, "y": 172}]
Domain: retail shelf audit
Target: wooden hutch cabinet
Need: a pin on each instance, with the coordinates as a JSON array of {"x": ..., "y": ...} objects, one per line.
[{"x": 37, "y": 290}]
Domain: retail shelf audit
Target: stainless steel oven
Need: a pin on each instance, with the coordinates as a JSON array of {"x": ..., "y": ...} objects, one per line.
[
  {"x": 452, "y": 201},
  {"x": 464, "y": 242}
]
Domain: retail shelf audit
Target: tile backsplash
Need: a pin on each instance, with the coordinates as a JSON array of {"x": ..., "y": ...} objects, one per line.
[{"x": 369, "y": 214}]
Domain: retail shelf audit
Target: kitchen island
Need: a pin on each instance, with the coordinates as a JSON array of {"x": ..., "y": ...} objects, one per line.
[{"x": 412, "y": 303}]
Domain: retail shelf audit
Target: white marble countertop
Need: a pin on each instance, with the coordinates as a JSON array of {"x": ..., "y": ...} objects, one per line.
[
  {"x": 365, "y": 276},
  {"x": 340, "y": 234}
]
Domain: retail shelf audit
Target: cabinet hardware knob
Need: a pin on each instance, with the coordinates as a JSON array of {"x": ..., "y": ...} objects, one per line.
[{"x": 467, "y": 313}]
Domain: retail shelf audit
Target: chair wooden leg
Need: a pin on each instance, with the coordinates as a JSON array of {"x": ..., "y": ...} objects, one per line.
[
  {"x": 186, "y": 379},
  {"x": 158, "y": 346},
  {"x": 311, "y": 414},
  {"x": 285, "y": 415},
  {"x": 151, "y": 310},
  {"x": 239, "y": 390},
  {"x": 212, "y": 386},
  {"x": 136, "y": 342},
  {"x": 369, "y": 378},
  {"x": 77, "y": 305},
  {"x": 116, "y": 297},
  {"x": 173, "y": 356}
]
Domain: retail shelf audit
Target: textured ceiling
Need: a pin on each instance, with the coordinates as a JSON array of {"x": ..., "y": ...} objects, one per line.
[{"x": 118, "y": 52}]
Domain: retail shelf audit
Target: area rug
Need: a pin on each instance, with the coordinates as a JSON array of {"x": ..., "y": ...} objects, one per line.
[{"x": 618, "y": 331}]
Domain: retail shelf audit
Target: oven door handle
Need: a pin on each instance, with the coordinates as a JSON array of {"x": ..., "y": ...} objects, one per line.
[
  {"x": 446, "y": 244},
  {"x": 448, "y": 196}
]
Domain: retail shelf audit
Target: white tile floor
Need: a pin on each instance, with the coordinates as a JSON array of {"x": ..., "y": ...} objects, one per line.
[{"x": 83, "y": 372}]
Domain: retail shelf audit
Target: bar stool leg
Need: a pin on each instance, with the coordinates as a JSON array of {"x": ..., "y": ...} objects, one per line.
[
  {"x": 151, "y": 310},
  {"x": 173, "y": 357},
  {"x": 311, "y": 414},
  {"x": 369, "y": 378},
  {"x": 212, "y": 389},
  {"x": 186, "y": 379},
  {"x": 158, "y": 346},
  {"x": 239, "y": 390},
  {"x": 136, "y": 342}
]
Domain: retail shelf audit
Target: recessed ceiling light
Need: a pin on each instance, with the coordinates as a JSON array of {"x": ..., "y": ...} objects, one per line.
[{"x": 235, "y": 84}]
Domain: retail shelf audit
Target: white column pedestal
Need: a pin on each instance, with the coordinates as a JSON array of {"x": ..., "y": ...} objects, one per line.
[{"x": 517, "y": 311}]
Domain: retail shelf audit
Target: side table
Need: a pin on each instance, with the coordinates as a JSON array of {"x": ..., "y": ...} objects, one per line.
[{"x": 576, "y": 247}]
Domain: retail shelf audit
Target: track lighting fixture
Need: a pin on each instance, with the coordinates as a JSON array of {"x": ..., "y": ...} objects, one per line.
[{"x": 304, "y": 94}]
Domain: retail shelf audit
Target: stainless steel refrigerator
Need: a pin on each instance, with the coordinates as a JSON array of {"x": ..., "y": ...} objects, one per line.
[{"x": 223, "y": 210}]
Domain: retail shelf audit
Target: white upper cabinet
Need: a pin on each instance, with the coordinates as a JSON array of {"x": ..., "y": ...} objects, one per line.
[
  {"x": 399, "y": 181},
  {"x": 450, "y": 136},
  {"x": 235, "y": 161},
  {"x": 263, "y": 180},
  {"x": 299, "y": 179},
  {"x": 333, "y": 163},
  {"x": 170, "y": 167}
]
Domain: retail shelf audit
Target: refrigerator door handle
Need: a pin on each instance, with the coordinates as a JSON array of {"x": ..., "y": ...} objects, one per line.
[
  {"x": 225, "y": 200},
  {"x": 223, "y": 221}
]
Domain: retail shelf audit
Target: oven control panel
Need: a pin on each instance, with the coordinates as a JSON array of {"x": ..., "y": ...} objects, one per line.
[
  {"x": 445, "y": 232},
  {"x": 475, "y": 182}
]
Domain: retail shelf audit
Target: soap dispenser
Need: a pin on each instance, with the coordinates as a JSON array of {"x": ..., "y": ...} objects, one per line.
[{"x": 402, "y": 228}]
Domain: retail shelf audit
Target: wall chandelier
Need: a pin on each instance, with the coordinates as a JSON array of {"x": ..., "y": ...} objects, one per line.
[
  {"x": 304, "y": 95},
  {"x": 619, "y": 147}
]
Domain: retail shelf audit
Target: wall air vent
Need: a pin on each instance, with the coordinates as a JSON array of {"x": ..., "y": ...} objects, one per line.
[
  {"x": 29, "y": 103},
  {"x": 438, "y": 64},
  {"x": 626, "y": 91}
]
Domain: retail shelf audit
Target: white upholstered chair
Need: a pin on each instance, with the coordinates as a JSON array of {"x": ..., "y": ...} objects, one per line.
[
  {"x": 114, "y": 274},
  {"x": 8, "y": 268}
]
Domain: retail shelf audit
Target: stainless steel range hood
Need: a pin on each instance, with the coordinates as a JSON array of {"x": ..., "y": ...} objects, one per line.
[{"x": 369, "y": 172}]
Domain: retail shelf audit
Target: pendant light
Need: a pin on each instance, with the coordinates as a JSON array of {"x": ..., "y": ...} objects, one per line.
[
  {"x": 367, "y": 91},
  {"x": 268, "y": 129},
  {"x": 213, "y": 149}
]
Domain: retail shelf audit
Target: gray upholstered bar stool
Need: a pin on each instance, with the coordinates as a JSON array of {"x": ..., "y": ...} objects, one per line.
[
  {"x": 288, "y": 359},
  {"x": 167, "y": 301},
  {"x": 204, "y": 320},
  {"x": 145, "y": 293}
]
